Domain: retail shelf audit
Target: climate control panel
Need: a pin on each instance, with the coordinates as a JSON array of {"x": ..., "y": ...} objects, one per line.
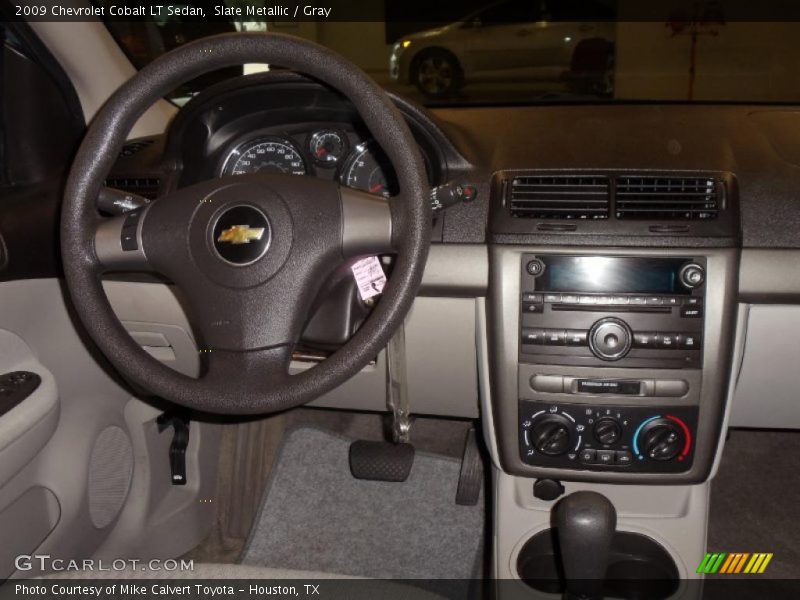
[{"x": 639, "y": 439}]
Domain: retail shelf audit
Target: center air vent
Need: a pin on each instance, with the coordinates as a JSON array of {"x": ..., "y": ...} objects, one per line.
[
  {"x": 681, "y": 198},
  {"x": 559, "y": 197}
]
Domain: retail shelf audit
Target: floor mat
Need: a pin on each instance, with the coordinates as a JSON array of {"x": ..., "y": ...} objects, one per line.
[
  {"x": 316, "y": 516},
  {"x": 754, "y": 499}
]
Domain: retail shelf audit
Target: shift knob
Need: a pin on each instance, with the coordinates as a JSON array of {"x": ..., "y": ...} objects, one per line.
[{"x": 585, "y": 523}]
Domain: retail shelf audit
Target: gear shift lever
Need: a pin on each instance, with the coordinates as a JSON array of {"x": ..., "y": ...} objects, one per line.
[{"x": 585, "y": 522}]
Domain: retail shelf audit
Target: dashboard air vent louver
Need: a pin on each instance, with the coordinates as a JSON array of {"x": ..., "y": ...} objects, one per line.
[
  {"x": 559, "y": 196},
  {"x": 143, "y": 186},
  {"x": 659, "y": 197}
]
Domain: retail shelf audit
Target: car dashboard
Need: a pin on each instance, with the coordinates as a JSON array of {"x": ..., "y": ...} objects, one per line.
[{"x": 566, "y": 195}]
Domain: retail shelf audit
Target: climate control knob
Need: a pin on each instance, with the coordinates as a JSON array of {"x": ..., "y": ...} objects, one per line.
[
  {"x": 607, "y": 431},
  {"x": 550, "y": 435},
  {"x": 661, "y": 439},
  {"x": 610, "y": 339}
]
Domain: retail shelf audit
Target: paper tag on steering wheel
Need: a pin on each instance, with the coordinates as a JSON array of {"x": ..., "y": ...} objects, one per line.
[{"x": 369, "y": 277}]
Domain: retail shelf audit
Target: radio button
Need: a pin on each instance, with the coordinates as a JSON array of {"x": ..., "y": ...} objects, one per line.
[
  {"x": 605, "y": 457},
  {"x": 555, "y": 337},
  {"x": 693, "y": 301},
  {"x": 619, "y": 300},
  {"x": 692, "y": 312},
  {"x": 623, "y": 458},
  {"x": 672, "y": 300},
  {"x": 644, "y": 339},
  {"x": 532, "y": 337},
  {"x": 689, "y": 341},
  {"x": 588, "y": 300},
  {"x": 655, "y": 300},
  {"x": 577, "y": 337},
  {"x": 549, "y": 384},
  {"x": 671, "y": 388},
  {"x": 530, "y": 307},
  {"x": 532, "y": 297},
  {"x": 667, "y": 341},
  {"x": 551, "y": 298},
  {"x": 603, "y": 300},
  {"x": 639, "y": 300},
  {"x": 570, "y": 298}
]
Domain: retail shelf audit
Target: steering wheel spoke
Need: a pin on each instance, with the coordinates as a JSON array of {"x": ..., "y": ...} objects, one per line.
[
  {"x": 246, "y": 375},
  {"x": 367, "y": 223},
  {"x": 118, "y": 242}
]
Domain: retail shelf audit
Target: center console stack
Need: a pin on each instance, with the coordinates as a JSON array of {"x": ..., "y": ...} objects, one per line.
[{"x": 611, "y": 335}]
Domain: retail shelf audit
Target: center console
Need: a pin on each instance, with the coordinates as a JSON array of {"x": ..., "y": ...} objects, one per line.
[
  {"x": 609, "y": 344},
  {"x": 609, "y": 363}
]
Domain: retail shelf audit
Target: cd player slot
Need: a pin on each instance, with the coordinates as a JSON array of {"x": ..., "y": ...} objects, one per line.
[{"x": 596, "y": 307}]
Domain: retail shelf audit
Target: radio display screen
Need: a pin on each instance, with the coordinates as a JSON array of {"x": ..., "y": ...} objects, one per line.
[{"x": 612, "y": 274}]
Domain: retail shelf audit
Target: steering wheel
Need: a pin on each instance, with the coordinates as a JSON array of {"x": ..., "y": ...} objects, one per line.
[{"x": 250, "y": 252}]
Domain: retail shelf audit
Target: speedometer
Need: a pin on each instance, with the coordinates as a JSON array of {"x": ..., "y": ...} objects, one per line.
[
  {"x": 265, "y": 155},
  {"x": 369, "y": 170}
]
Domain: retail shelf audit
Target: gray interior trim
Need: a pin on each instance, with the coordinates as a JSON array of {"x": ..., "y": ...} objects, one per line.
[
  {"x": 767, "y": 275},
  {"x": 484, "y": 381},
  {"x": 766, "y": 385},
  {"x": 456, "y": 270},
  {"x": 25, "y": 523},
  {"x": 739, "y": 344},
  {"x": 441, "y": 364}
]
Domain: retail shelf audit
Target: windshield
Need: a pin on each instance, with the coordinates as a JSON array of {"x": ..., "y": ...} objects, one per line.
[{"x": 474, "y": 52}]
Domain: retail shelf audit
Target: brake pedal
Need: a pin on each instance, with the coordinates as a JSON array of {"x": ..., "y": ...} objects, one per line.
[
  {"x": 381, "y": 461},
  {"x": 389, "y": 461},
  {"x": 470, "y": 481}
]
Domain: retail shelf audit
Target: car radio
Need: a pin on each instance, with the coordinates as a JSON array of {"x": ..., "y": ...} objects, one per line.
[{"x": 624, "y": 311}]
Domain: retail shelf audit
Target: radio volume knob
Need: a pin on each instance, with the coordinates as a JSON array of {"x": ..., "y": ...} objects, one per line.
[
  {"x": 610, "y": 338},
  {"x": 692, "y": 275}
]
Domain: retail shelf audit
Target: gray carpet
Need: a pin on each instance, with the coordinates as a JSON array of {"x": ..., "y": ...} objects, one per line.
[
  {"x": 315, "y": 515},
  {"x": 755, "y": 499}
]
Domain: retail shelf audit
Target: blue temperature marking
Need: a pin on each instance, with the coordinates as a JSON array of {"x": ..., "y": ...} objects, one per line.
[{"x": 636, "y": 434}]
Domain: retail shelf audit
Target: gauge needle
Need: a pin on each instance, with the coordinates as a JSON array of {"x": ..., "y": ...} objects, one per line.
[
  {"x": 376, "y": 188},
  {"x": 321, "y": 152}
]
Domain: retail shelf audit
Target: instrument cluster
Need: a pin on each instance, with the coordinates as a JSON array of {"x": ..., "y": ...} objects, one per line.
[{"x": 328, "y": 151}]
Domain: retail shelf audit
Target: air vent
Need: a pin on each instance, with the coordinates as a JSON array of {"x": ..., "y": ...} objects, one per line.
[
  {"x": 143, "y": 186},
  {"x": 674, "y": 198},
  {"x": 559, "y": 197},
  {"x": 132, "y": 148}
]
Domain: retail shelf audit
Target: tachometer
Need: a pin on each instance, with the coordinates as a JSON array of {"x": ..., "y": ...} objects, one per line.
[
  {"x": 265, "y": 155},
  {"x": 367, "y": 169}
]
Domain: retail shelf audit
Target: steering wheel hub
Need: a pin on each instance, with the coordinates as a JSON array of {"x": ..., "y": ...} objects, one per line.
[{"x": 241, "y": 235}]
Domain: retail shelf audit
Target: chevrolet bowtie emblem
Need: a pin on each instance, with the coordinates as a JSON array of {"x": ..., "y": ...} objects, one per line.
[{"x": 241, "y": 234}]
